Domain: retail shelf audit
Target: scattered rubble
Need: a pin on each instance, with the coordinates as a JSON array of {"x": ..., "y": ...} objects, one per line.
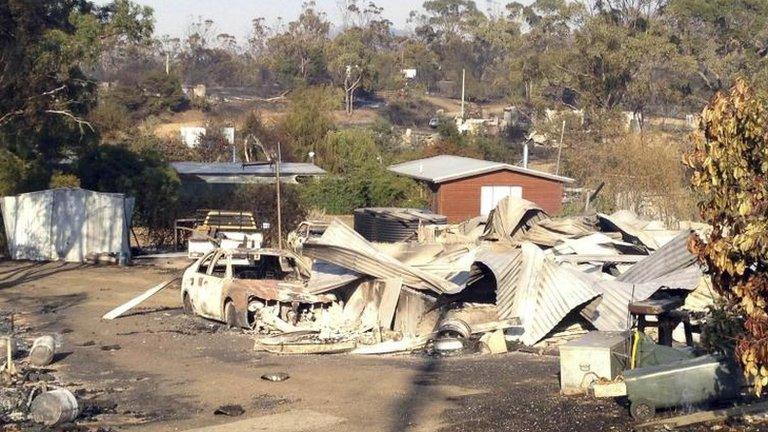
[{"x": 518, "y": 279}]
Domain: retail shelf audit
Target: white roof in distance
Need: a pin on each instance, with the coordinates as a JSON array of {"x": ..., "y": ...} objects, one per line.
[{"x": 443, "y": 168}]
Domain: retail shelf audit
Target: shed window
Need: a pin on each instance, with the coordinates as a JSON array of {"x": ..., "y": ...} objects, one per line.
[{"x": 491, "y": 195}]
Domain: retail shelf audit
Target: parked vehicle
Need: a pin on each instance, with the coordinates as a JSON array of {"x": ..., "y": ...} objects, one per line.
[{"x": 262, "y": 289}]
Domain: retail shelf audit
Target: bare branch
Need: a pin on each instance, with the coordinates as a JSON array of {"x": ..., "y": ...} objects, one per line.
[
  {"x": 80, "y": 122},
  {"x": 54, "y": 91},
  {"x": 7, "y": 117},
  {"x": 274, "y": 98}
]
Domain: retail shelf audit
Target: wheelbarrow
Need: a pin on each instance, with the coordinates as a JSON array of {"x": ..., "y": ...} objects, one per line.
[{"x": 682, "y": 383}]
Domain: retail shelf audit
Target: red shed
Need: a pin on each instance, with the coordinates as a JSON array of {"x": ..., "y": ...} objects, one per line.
[{"x": 463, "y": 188}]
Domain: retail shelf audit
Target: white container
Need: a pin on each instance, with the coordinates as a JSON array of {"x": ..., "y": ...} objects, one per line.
[
  {"x": 54, "y": 407},
  {"x": 42, "y": 351},
  {"x": 594, "y": 356}
]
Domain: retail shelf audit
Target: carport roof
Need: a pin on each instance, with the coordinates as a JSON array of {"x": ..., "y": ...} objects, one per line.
[
  {"x": 443, "y": 168},
  {"x": 236, "y": 168}
]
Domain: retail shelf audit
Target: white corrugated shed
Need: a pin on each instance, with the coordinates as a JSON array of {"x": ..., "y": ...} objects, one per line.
[{"x": 72, "y": 225}]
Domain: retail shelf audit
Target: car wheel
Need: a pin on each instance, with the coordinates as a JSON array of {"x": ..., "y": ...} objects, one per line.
[
  {"x": 642, "y": 410},
  {"x": 230, "y": 315},
  {"x": 187, "y": 305}
]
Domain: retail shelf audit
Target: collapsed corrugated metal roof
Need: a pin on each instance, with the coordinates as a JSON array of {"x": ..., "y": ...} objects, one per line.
[
  {"x": 592, "y": 244},
  {"x": 342, "y": 246},
  {"x": 651, "y": 234},
  {"x": 671, "y": 257},
  {"x": 533, "y": 283},
  {"x": 541, "y": 292},
  {"x": 537, "y": 291},
  {"x": 671, "y": 267},
  {"x": 326, "y": 277},
  {"x": 511, "y": 219},
  {"x": 548, "y": 232}
]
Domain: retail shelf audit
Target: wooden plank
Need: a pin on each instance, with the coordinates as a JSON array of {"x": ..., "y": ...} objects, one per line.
[
  {"x": 125, "y": 307},
  {"x": 388, "y": 304},
  {"x": 707, "y": 416}
]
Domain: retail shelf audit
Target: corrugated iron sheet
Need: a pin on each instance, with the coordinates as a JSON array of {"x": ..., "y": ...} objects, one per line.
[
  {"x": 506, "y": 266},
  {"x": 548, "y": 232},
  {"x": 670, "y": 267},
  {"x": 651, "y": 234},
  {"x": 326, "y": 277},
  {"x": 537, "y": 291},
  {"x": 511, "y": 219},
  {"x": 342, "y": 246},
  {"x": 669, "y": 258},
  {"x": 546, "y": 293}
]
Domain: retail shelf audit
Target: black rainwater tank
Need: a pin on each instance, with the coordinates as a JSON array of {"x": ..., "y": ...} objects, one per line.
[{"x": 391, "y": 224}]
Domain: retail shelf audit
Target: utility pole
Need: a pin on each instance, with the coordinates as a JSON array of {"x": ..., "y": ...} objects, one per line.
[
  {"x": 277, "y": 160},
  {"x": 463, "y": 78},
  {"x": 167, "y": 63},
  {"x": 279, "y": 204},
  {"x": 560, "y": 149}
]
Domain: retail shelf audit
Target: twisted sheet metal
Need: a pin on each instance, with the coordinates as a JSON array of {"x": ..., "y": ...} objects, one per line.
[
  {"x": 505, "y": 265},
  {"x": 342, "y": 246},
  {"x": 670, "y": 267},
  {"x": 326, "y": 277},
  {"x": 670, "y": 258},
  {"x": 537, "y": 291},
  {"x": 549, "y": 232},
  {"x": 511, "y": 218},
  {"x": 610, "y": 311},
  {"x": 547, "y": 292},
  {"x": 650, "y": 234}
]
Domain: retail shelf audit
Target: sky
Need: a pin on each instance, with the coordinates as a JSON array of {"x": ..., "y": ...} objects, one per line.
[{"x": 234, "y": 16}]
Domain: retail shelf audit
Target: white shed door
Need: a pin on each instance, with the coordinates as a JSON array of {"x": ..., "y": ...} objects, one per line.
[{"x": 491, "y": 195}]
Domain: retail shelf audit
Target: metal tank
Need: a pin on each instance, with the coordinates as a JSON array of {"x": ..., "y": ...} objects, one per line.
[{"x": 391, "y": 225}]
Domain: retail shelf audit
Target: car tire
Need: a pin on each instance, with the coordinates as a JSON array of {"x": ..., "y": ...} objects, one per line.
[
  {"x": 230, "y": 315},
  {"x": 187, "y": 305},
  {"x": 642, "y": 410}
]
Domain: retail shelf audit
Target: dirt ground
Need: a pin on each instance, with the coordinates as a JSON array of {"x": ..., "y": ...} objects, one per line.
[{"x": 159, "y": 370}]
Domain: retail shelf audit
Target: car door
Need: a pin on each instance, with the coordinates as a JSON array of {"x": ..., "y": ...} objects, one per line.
[
  {"x": 213, "y": 286},
  {"x": 194, "y": 279}
]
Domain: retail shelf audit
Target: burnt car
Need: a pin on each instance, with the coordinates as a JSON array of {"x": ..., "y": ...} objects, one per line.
[{"x": 261, "y": 289}]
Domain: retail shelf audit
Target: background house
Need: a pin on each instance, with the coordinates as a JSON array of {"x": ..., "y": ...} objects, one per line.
[{"x": 463, "y": 187}]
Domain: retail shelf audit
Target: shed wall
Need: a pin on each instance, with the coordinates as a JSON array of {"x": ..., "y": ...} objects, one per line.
[
  {"x": 460, "y": 199},
  {"x": 67, "y": 224}
]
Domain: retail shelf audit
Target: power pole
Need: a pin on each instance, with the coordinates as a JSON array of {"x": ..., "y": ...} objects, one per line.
[
  {"x": 463, "y": 77},
  {"x": 279, "y": 204},
  {"x": 560, "y": 149}
]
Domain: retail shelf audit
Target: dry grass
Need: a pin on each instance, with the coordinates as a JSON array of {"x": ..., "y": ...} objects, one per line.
[{"x": 642, "y": 173}]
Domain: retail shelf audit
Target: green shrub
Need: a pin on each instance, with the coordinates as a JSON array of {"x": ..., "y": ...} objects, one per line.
[
  {"x": 141, "y": 174},
  {"x": 372, "y": 186}
]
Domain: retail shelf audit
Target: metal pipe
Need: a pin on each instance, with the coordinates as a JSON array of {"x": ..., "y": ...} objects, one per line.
[
  {"x": 560, "y": 149},
  {"x": 525, "y": 155}
]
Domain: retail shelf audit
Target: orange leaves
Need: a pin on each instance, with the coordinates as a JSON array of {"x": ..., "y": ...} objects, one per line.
[{"x": 729, "y": 167}]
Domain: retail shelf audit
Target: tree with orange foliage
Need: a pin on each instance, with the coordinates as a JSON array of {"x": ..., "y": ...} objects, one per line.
[{"x": 730, "y": 170}]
